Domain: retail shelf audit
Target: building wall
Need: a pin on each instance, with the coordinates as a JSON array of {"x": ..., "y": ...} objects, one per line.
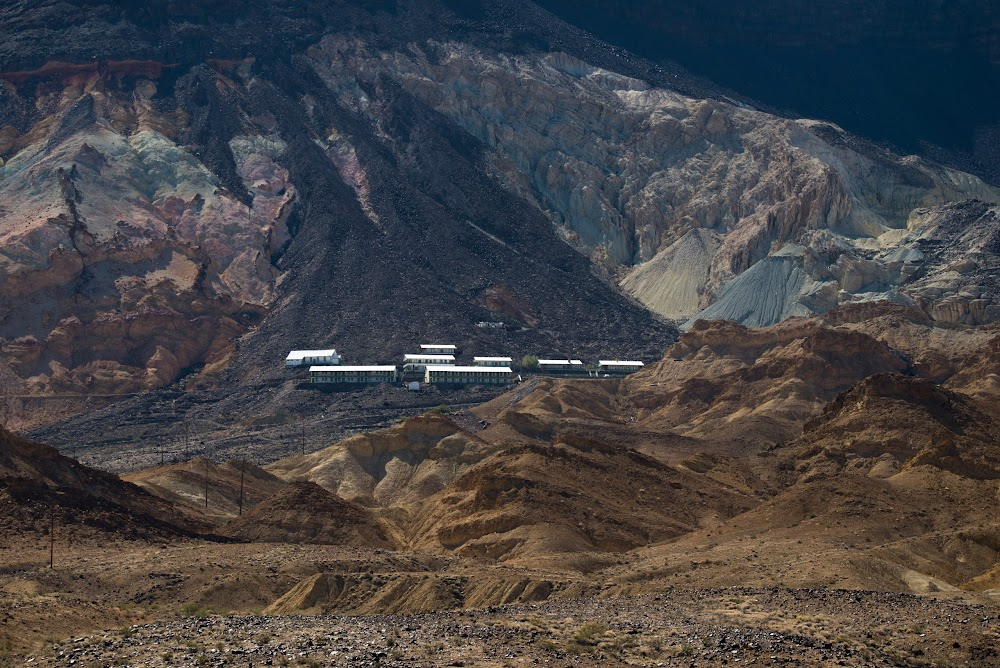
[
  {"x": 352, "y": 377},
  {"x": 468, "y": 377},
  {"x": 331, "y": 360}
]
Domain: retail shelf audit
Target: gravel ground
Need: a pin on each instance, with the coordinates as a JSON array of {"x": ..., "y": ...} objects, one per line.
[{"x": 729, "y": 627}]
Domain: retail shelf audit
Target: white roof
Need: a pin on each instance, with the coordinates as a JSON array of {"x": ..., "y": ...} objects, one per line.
[
  {"x": 492, "y": 359},
  {"x": 300, "y": 354},
  {"x": 348, "y": 369},
  {"x": 440, "y": 346},
  {"x": 435, "y": 358},
  {"x": 621, "y": 363},
  {"x": 560, "y": 362},
  {"x": 471, "y": 369}
]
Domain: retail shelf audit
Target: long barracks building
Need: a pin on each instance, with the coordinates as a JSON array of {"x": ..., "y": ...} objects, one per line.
[
  {"x": 469, "y": 375},
  {"x": 353, "y": 374}
]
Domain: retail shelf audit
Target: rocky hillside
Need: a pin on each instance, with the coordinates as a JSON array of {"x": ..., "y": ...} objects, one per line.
[
  {"x": 818, "y": 436},
  {"x": 156, "y": 210},
  {"x": 39, "y": 486},
  {"x": 187, "y": 192},
  {"x": 304, "y": 512},
  {"x": 863, "y": 445},
  {"x": 912, "y": 64},
  {"x": 802, "y": 464}
]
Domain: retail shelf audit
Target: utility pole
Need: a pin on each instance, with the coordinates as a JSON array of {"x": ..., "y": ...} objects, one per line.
[
  {"x": 243, "y": 469},
  {"x": 52, "y": 535},
  {"x": 302, "y": 440},
  {"x": 206, "y": 482},
  {"x": 163, "y": 452},
  {"x": 186, "y": 434}
]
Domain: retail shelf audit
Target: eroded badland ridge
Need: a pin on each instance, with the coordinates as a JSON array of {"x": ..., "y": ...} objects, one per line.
[
  {"x": 804, "y": 473},
  {"x": 746, "y": 497}
]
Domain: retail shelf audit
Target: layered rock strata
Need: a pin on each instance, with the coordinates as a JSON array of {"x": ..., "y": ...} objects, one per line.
[{"x": 690, "y": 192}]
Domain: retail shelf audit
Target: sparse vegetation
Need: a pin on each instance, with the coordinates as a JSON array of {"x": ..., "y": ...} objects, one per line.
[
  {"x": 685, "y": 649},
  {"x": 590, "y": 633},
  {"x": 196, "y": 610}
]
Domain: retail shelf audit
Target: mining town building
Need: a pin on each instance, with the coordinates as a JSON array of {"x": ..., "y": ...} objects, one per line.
[
  {"x": 353, "y": 374},
  {"x": 421, "y": 361},
  {"x": 298, "y": 358},
  {"x": 492, "y": 361},
  {"x": 469, "y": 375},
  {"x": 618, "y": 367},
  {"x": 561, "y": 366},
  {"x": 438, "y": 349}
]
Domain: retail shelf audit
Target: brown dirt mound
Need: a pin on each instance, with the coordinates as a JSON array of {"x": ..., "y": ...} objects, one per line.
[
  {"x": 888, "y": 423},
  {"x": 37, "y": 482},
  {"x": 304, "y": 512},
  {"x": 736, "y": 388},
  {"x": 184, "y": 484},
  {"x": 412, "y": 593},
  {"x": 893, "y": 486},
  {"x": 577, "y": 495},
  {"x": 403, "y": 464}
]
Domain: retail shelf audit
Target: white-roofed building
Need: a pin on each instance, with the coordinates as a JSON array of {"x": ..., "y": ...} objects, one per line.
[
  {"x": 469, "y": 375},
  {"x": 421, "y": 361},
  {"x": 618, "y": 367},
  {"x": 353, "y": 374},
  {"x": 298, "y": 358},
  {"x": 438, "y": 349},
  {"x": 492, "y": 361},
  {"x": 561, "y": 366}
]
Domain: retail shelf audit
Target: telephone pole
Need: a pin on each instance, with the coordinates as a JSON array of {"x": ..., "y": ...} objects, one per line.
[
  {"x": 243, "y": 469},
  {"x": 52, "y": 535},
  {"x": 302, "y": 440},
  {"x": 206, "y": 482}
]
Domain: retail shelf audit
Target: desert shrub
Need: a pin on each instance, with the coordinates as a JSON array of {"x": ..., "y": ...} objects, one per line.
[{"x": 590, "y": 633}]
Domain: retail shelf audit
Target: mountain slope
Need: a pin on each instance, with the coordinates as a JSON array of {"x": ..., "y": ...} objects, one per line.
[
  {"x": 304, "y": 512},
  {"x": 912, "y": 74},
  {"x": 37, "y": 484},
  {"x": 175, "y": 205},
  {"x": 191, "y": 191}
]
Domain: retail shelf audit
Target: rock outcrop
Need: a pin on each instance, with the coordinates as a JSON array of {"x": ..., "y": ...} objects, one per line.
[
  {"x": 125, "y": 261},
  {"x": 694, "y": 192}
]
